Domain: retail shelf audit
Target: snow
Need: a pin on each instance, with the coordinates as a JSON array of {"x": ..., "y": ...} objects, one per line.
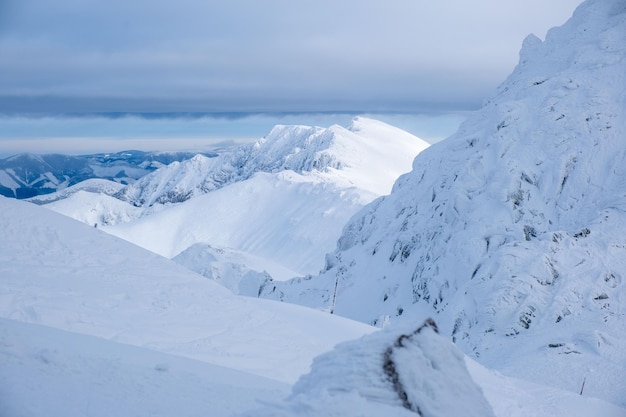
[
  {"x": 429, "y": 379},
  {"x": 51, "y": 372},
  {"x": 280, "y": 203},
  {"x": 8, "y": 182},
  {"x": 510, "y": 232},
  {"x": 61, "y": 273},
  {"x": 512, "y": 397},
  {"x": 71, "y": 374},
  {"x": 90, "y": 207},
  {"x": 236, "y": 270},
  {"x": 368, "y": 155},
  {"x": 277, "y": 217},
  {"x": 92, "y": 185},
  {"x": 438, "y": 380},
  {"x": 91, "y": 325}
]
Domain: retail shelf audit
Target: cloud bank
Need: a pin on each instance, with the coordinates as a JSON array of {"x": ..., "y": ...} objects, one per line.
[{"x": 275, "y": 55}]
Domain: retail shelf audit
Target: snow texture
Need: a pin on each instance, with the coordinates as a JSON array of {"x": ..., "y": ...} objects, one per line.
[
  {"x": 404, "y": 371},
  {"x": 511, "y": 231},
  {"x": 51, "y": 372}
]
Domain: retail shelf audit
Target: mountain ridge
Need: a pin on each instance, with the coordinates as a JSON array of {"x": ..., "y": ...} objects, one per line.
[
  {"x": 29, "y": 175},
  {"x": 335, "y": 153}
]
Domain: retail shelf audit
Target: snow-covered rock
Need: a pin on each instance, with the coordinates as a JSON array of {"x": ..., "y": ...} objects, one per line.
[
  {"x": 238, "y": 271},
  {"x": 404, "y": 371},
  {"x": 512, "y": 230}
]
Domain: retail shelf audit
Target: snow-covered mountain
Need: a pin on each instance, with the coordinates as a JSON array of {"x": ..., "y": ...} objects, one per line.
[
  {"x": 283, "y": 219},
  {"x": 512, "y": 231},
  {"x": 272, "y": 208},
  {"x": 28, "y": 175},
  {"x": 93, "y": 185},
  {"x": 340, "y": 155},
  {"x": 92, "y": 326}
]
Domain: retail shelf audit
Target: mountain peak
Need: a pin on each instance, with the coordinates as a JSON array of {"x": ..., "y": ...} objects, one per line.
[{"x": 335, "y": 154}]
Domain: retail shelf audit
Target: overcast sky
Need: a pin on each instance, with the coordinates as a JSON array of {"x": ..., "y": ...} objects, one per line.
[{"x": 271, "y": 55}]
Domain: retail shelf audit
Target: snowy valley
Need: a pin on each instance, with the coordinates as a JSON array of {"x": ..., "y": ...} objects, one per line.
[{"x": 344, "y": 270}]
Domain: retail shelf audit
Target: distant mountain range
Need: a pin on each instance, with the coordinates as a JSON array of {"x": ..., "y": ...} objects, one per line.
[{"x": 27, "y": 175}]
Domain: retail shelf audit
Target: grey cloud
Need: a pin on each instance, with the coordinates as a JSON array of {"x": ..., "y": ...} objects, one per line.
[{"x": 201, "y": 55}]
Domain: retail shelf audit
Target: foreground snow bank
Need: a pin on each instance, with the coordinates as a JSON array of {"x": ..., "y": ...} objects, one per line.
[
  {"x": 49, "y": 372},
  {"x": 401, "y": 371},
  {"x": 57, "y": 272}
]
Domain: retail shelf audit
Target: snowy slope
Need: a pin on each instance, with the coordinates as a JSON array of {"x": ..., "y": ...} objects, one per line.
[
  {"x": 283, "y": 218},
  {"x": 50, "y": 372},
  {"x": 92, "y": 326},
  {"x": 93, "y": 185},
  {"x": 239, "y": 271},
  {"x": 368, "y": 154},
  {"x": 92, "y": 207},
  {"x": 512, "y": 231},
  {"x": 61, "y": 273}
]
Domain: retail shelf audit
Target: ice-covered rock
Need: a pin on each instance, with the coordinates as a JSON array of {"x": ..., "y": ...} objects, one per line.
[{"x": 400, "y": 371}]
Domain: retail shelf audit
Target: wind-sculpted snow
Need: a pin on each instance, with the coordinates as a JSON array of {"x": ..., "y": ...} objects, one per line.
[
  {"x": 342, "y": 155},
  {"x": 406, "y": 371},
  {"x": 512, "y": 230}
]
